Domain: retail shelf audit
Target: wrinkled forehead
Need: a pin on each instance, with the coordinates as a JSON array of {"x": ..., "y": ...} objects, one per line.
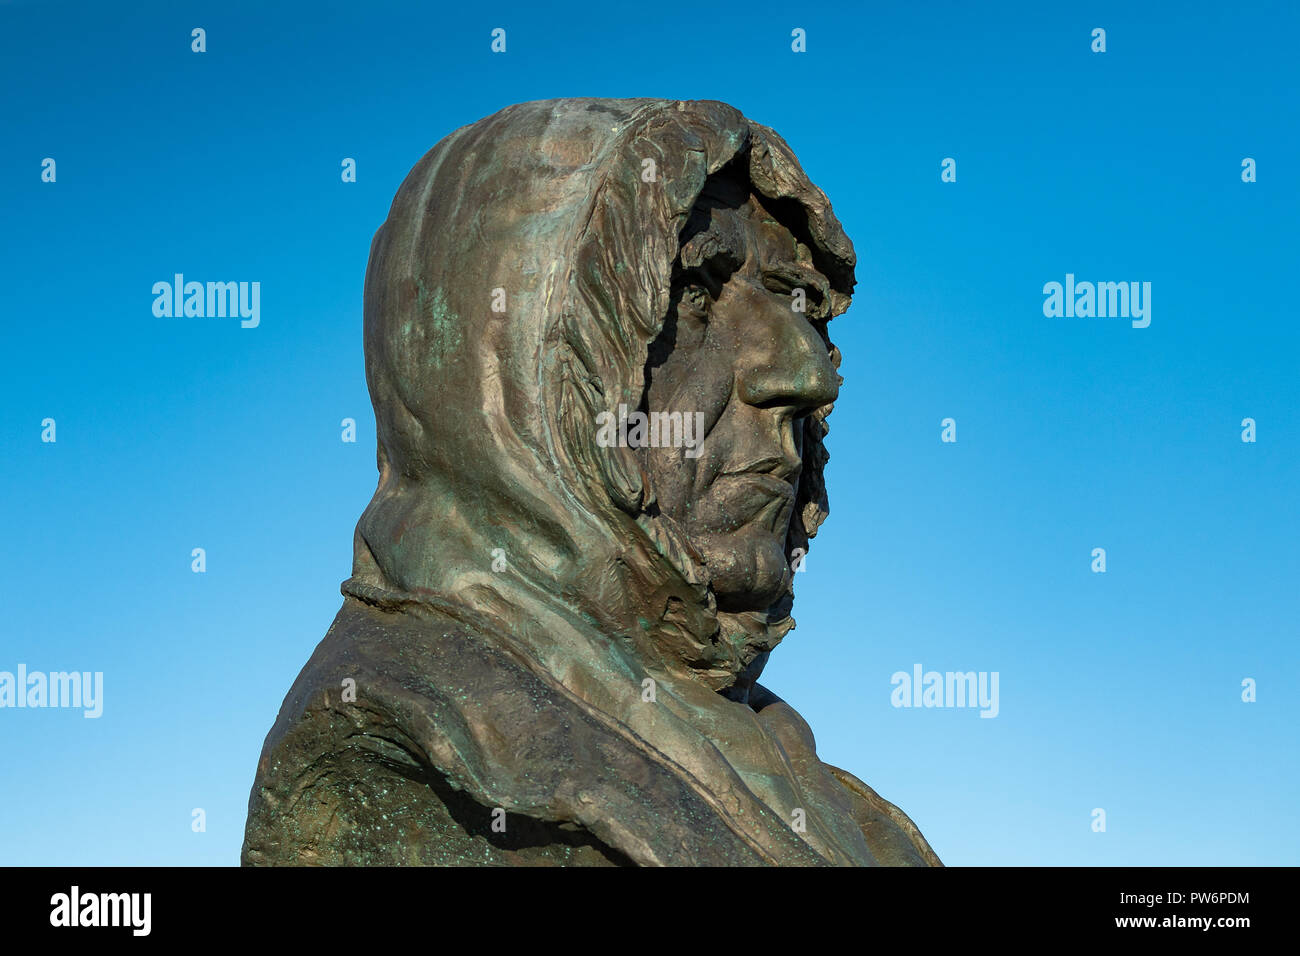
[
  {"x": 774, "y": 242},
  {"x": 754, "y": 239},
  {"x": 771, "y": 246}
]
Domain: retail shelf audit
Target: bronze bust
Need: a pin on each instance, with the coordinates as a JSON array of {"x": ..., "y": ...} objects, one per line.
[{"x": 596, "y": 344}]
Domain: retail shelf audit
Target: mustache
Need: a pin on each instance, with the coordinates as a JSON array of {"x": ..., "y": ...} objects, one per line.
[
  {"x": 745, "y": 499},
  {"x": 783, "y": 467}
]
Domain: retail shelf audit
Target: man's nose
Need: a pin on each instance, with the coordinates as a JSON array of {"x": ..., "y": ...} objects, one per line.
[{"x": 786, "y": 362}]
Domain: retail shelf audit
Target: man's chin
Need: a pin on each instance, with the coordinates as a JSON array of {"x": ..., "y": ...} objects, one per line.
[{"x": 748, "y": 570}]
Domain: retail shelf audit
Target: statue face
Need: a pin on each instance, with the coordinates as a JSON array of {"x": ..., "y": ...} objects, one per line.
[{"x": 742, "y": 355}]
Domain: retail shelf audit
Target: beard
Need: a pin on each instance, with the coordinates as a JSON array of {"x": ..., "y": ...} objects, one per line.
[{"x": 739, "y": 527}]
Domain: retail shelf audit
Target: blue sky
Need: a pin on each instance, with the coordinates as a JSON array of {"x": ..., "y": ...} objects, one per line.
[{"x": 1119, "y": 691}]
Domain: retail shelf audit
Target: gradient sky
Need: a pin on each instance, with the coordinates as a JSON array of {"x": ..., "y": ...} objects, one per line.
[{"x": 1119, "y": 690}]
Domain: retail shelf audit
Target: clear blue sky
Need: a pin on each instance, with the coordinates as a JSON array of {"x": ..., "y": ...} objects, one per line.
[{"x": 1118, "y": 690}]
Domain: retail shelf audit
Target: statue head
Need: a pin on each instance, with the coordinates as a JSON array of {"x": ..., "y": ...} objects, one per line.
[
  {"x": 744, "y": 347},
  {"x": 596, "y": 342}
]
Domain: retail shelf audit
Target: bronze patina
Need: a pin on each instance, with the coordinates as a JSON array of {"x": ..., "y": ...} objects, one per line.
[{"x": 596, "y": 344}]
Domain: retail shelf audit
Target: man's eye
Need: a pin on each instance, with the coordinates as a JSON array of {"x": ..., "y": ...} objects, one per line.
[
  {"x": 786, "y": 285},
  {"x": 696, "y": 298},
  {"x": 779, "y": 284}
]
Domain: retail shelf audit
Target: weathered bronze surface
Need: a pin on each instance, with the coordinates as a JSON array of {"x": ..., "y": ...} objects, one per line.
[{"x": 549, "y": 646}]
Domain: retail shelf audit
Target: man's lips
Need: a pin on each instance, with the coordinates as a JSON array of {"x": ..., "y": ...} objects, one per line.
[
  {"x": 739, "y": 499},
  {"x": 777, "y": 466}
]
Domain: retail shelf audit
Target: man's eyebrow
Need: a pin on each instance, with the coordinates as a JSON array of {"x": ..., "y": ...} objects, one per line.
[{"x": 798, "y": 272}]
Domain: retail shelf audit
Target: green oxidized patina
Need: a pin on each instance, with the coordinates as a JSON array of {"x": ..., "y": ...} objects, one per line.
[
  {"x": 441, "y": 326},
  {"x": 550, "y": 645}
]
